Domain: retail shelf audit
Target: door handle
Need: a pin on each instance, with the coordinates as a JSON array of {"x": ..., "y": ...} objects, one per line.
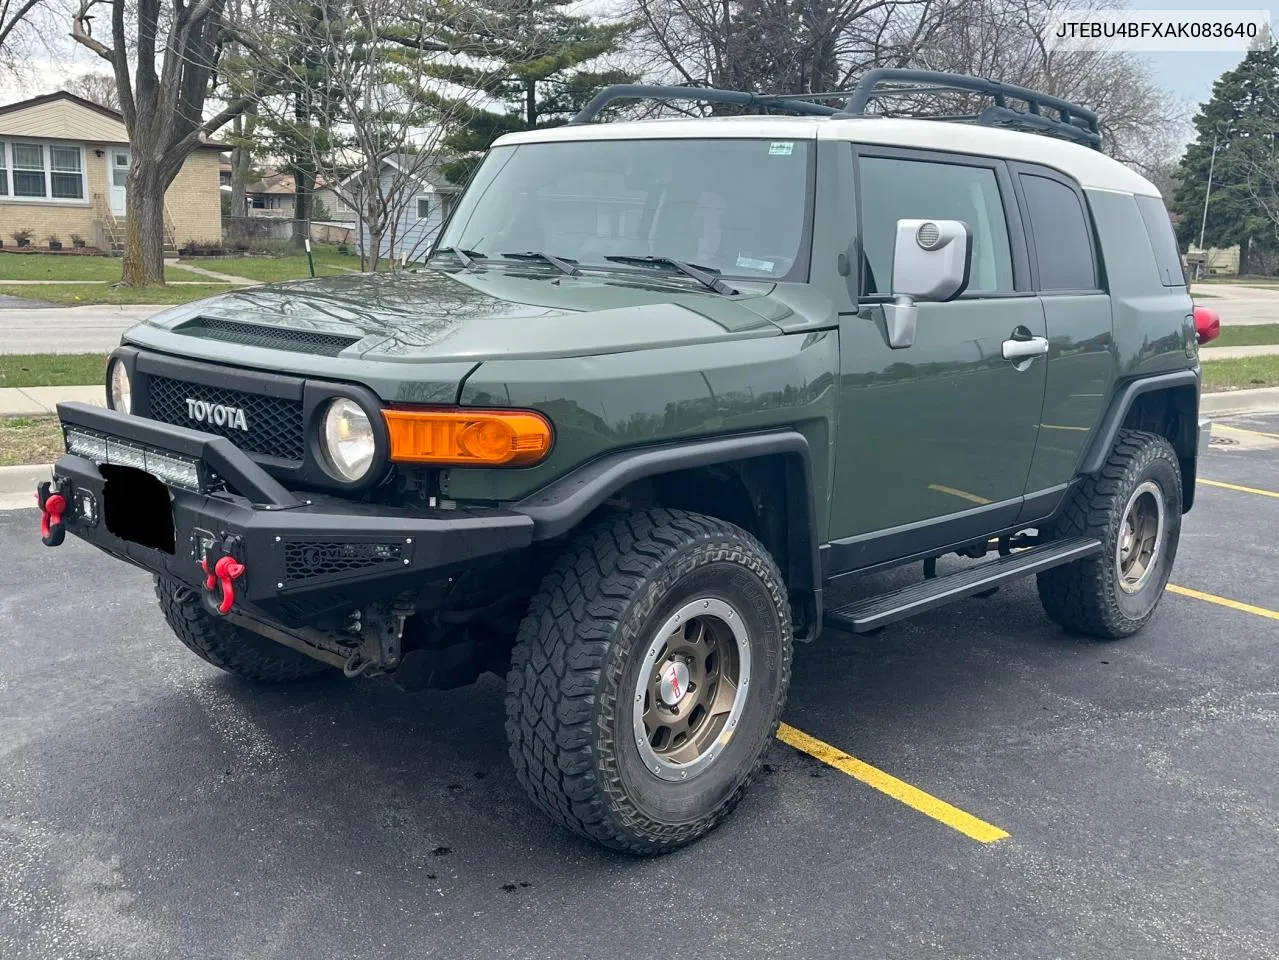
[{"x": 1018, "y": 350}]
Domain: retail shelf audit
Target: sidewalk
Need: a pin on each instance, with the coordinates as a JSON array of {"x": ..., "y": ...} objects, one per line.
[
  {"x": 1207, "y": 354},
  {"x": 41, "y": 401}
]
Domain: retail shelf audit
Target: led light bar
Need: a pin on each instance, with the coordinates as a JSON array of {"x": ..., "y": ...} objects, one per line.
[{"x": 168, "y": 468}]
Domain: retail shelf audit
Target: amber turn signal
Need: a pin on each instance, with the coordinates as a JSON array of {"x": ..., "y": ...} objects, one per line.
[{"x": 477, "y": 438}]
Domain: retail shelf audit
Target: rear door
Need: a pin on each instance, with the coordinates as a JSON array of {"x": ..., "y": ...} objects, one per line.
[
  {"x": 1080, "y": 365},
  {"x": 935, "y": 441}
]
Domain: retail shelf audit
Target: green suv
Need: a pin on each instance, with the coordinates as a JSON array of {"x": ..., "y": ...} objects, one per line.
[{"x": 659, "y": 385}]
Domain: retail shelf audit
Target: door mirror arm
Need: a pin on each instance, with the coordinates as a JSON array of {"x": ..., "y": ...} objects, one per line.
[{"x": 899, "y": 320}]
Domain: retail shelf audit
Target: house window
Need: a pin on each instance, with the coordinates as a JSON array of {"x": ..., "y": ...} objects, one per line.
[
  {"x": 423, "y": 207},
  {"x": 65, "y": 180},
  {"x": 41, "y": 171},
  {"x": 28, "y": 170},
  {"x": 258, "y": 201}
]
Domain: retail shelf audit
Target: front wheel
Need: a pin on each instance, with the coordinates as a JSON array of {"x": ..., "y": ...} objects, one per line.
[
  {"x": 649, "y": 678},
  {"x": 1133, "y": 506}
]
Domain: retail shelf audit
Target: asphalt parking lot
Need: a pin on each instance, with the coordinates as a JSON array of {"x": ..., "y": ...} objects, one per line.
[{"x": 152, "y": 807}]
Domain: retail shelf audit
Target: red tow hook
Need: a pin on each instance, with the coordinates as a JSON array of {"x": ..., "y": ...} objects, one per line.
[
  {"x": 225, "y": 571},
  {"x": 52, "y": 507}
]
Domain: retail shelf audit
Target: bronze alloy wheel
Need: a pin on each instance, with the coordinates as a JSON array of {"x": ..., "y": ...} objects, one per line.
[
  {"x": 691, "y": 689},
  {"x": 1141, "y": 534}
]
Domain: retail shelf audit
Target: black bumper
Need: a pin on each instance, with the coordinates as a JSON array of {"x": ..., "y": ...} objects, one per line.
[{"x": 304, "y": 554}]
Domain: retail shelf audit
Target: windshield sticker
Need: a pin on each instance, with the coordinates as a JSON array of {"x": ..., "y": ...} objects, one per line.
[
  {"x": 750, "y": 263},
  {"x": 781, "y": 148}
]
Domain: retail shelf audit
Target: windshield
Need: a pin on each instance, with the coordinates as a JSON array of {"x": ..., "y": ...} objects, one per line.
[{"x": 739, "y": 207}]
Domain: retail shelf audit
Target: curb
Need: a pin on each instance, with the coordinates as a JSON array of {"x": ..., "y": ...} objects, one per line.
[
  {"x": 1262, "y": 400},
  {"x": 18, "y": 485}
]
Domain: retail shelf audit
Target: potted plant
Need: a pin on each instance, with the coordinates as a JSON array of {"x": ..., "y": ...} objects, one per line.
[
  {"x": 77, "y": 241},
  {"x": 22, "y": 237},
  {"x": 54, "y": 241}
]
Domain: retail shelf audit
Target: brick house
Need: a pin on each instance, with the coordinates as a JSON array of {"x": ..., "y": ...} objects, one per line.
[{"x": 64, "y": 162}]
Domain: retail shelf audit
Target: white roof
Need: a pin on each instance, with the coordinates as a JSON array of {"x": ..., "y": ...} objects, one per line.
[{"x": 1091, "y": 168}]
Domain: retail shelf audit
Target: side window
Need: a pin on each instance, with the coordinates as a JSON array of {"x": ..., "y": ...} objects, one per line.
[
  {"x": 1162, "y": 241},
  {"x": 893, "y": 189},
  {"x": 1063, "y": 247}
]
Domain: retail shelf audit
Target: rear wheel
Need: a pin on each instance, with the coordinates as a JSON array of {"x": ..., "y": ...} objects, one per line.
[
  {"x": 226, "y": 646},
  {"x": 1133, "y": 506},
  {"x": 649, "y": 678}
]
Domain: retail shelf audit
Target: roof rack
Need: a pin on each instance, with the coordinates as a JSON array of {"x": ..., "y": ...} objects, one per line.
[
  {"x": 740, "y": 98},
  {"x": 1072, "y": 122}
]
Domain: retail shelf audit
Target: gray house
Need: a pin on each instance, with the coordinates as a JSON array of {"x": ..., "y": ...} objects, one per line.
[{"x": 421, "y": 199}]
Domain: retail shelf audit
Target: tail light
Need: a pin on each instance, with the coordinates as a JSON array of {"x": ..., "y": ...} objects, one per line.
[{"x": 1207, "y": 324}]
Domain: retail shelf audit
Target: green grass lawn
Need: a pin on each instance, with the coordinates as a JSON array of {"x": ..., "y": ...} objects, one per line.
[
  {"x": 1245, "y": 373},
  {"x": 84, "y": 294},
  {"x": 51, "y": 369},
  {"x": 328, "y": 263},
  {"x": 36, "y": 266},
  {"x": 30, "y": 440},
  {"x": 1265, "y": 333}
]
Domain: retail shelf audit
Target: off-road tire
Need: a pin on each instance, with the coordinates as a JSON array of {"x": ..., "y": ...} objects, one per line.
[
  {"x": 226, "y": 646},
  {"x": 1084, "y": 596},
  {"x": 569, "y": 705}
]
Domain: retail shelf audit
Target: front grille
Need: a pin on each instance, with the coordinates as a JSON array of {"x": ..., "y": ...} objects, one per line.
[
  {"x": 306, "y": 561},
  {"x": 273, "y": 338},
  {"x": 274, "y": 423}
]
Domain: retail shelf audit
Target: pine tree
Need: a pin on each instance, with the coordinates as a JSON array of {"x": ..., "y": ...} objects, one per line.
[
  {"x": 531, "y": 59},
  {"x": 1242, "y": 119}
]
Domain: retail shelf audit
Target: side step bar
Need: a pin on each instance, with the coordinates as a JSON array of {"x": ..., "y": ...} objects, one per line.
[{"x": 871, "y": 613}]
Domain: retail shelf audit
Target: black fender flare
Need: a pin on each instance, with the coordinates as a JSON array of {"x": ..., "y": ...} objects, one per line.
[
  {"x": 564, "y": 503},
  {"x": 1103, "y": 438}
]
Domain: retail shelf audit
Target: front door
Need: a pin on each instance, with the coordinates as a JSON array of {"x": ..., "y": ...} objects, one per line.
[
  {"x": 935, "y": 440},
  {"x": 117, "y": 178}
]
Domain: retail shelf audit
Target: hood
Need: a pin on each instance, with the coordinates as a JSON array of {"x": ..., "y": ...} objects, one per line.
[{"x": 440, "y": 315}]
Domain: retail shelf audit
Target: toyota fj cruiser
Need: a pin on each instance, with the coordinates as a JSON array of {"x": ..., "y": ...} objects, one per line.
[{"x": 658, "y": 385}]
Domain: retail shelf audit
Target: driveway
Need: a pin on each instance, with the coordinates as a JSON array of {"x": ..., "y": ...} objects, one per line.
[{"x": 152, "y": 807}]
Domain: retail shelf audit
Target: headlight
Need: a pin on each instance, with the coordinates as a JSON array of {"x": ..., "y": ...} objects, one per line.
[
  {"x": 349, "y": 443},
  {"x": 121, "y": 390}
]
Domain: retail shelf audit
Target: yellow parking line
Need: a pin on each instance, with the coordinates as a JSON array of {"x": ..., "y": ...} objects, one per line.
[
  {"x": 1255, "y": 433},
  {"x": 1235, "y": 486},
  {"x": 1224, "y": 602},
  {"x": 913, "y": 797}
]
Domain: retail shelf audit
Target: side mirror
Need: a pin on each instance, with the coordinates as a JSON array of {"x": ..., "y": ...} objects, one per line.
[{"x": 932, "y": 260}]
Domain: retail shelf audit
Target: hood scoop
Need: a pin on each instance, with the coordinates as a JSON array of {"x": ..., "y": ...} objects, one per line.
[{"x": 271, "y": 337}]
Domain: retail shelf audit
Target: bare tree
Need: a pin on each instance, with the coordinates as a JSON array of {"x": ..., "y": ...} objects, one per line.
[
  {"x": 175, "y": 47},
  {"x": 793, "y": 46},
  {"x": 1141, "y": 123},
  {"x": 17, "y": 25},
  {"x": 372, "y": 127},
  {"x": 97, "y": 87}
]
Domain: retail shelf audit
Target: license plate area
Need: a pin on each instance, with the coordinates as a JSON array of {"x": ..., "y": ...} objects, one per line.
[{"x": 136, "y": 507}]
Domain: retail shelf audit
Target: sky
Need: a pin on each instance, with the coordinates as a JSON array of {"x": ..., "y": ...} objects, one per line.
[{"x": 1190, "y": 76}]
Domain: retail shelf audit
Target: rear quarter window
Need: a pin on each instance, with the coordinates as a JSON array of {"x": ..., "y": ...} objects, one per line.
[
  {"x": 1162, "y": 241},
  {"x": 1062, "y": 234}
]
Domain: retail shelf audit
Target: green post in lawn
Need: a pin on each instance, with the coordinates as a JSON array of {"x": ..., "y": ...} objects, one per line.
[{"x": 310, "y": 260}]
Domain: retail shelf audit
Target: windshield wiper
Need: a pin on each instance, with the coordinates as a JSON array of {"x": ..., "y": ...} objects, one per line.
[
  {"x": 561, "y": 264},
  {"x": 703, "y": 275},
  {"x": 466, "y": 257}
]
